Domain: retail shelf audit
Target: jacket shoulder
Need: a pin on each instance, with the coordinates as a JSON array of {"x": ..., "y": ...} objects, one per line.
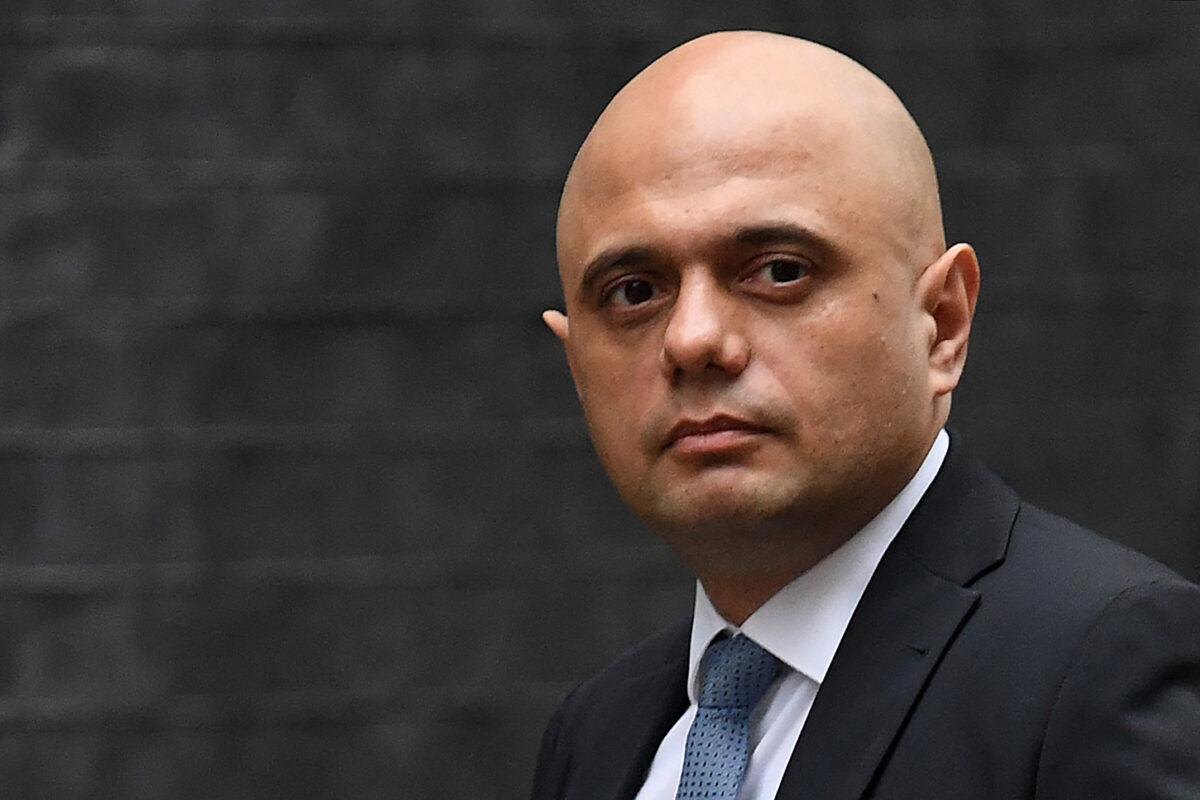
[
  {"x": 663, "y": 651},
  {"x": 639, "y": 691},
  {"x": 1076, "y": 560}
]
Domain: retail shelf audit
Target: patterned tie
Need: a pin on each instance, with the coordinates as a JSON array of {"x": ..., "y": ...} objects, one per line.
[{"x": 734, "y": 675}]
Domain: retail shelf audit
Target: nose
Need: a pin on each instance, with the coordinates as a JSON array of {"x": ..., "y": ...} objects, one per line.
[{"x": 701, "y": 338}]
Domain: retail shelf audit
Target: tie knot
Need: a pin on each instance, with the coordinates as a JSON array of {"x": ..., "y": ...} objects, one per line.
[{"x": 735, "y": 673}]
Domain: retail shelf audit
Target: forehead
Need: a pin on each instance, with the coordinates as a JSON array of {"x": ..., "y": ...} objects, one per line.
[
  {"x": 700, "y": 187},
  {"x": 685, "y": 138}
]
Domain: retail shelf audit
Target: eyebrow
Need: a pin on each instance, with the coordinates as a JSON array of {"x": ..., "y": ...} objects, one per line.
[
  {"x": 784, "y": 233},
  {"x": 612, "y": 258}
]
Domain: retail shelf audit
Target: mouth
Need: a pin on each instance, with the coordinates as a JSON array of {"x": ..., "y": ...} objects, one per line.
[{"x": 712, "y": 436}]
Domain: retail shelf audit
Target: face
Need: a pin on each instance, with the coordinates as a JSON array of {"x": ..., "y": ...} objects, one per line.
[{"x": 744, "y": 337}]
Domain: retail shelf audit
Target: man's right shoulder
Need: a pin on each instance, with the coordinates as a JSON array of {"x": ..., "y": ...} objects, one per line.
[
  {"x": 613, "y": 717},
  {"x": 664, "y": 651}
]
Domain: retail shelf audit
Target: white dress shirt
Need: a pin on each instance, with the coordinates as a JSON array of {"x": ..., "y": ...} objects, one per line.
[{"x": 802, "y": 626}]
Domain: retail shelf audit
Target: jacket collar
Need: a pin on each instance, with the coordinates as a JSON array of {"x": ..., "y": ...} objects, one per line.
[{"x": 914, "y": 606}]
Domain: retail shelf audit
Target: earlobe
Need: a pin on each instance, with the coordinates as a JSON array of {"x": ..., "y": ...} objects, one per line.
[{"x": 556, "y": 321}]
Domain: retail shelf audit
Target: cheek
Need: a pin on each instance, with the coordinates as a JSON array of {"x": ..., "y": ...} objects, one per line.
[
  {"x": 843, "y": 367},
  {"x": 616, "y": 388}
]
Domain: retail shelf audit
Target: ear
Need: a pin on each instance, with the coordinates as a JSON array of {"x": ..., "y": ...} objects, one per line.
[
  {"x": 947, "y": 291},
  {"x": 556, "y": 321}
]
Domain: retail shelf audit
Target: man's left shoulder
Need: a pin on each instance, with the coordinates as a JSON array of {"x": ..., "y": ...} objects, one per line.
[
  {"x": 1058, "y": 584},
  {"x": 1048, "y": 554},
  {"x": 1125, "y": 712},
  {"x": 1062, "y": 590}
]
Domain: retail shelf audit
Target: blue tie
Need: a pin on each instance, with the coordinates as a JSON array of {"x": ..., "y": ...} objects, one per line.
[{"x": 734, "y": 675}]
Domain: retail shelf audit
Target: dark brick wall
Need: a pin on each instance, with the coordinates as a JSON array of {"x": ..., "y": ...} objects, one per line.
[{"x": 295, "y": 500}]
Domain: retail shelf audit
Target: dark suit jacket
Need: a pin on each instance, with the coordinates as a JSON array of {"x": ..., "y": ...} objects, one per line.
[{"x": 998, "y": 652}]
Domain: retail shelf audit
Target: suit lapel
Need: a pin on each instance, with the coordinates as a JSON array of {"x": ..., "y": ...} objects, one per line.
[
  {"x": 882, "y": 664},
  {"x": 664, "y": 697},
  {"x": 917, "y": 601}
]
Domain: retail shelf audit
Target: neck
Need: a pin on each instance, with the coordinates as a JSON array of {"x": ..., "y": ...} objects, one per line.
[{"x": 739, "y": 587}]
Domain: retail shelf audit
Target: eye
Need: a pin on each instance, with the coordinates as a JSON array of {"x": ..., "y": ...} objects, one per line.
[
  {"x": 781, "y": 271},
  {"x": 632, "y": 292}
]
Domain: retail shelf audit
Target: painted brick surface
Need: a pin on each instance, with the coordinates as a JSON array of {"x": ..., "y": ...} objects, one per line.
[{"x": 295, "y": 498}]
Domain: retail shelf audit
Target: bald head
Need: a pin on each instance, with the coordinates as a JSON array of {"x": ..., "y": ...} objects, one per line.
[
  {"x": 763, "y": 322},
  {"x": 745, "y": 103}
]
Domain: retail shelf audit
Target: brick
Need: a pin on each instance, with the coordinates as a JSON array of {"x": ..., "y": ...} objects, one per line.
[
  {"x": 319, "y": 763},
  {"x": 1017, "y": 220},
  {"x": 1029, "y": 94},
  {"x": 317, "y": 366},
  {"x": 102, "y": 102},
  {"x": 287, "y": 641},
  {"x": 272, "y": 242},
  {"x": 284, "y": 505},
  {"x": 60, "y": 369},
  {"x": 1072, "y": 353},
  {"x": 16, "y": 765},
  {"x": 130, "y": 765},
  {"x": 102, "y": 244},
  {"x": 184, "y": 764},
  {"x": 15, "y": 619},
  {"x": 22, "y": 489},
  {"x": 417, "y": 245},
  {"x": 367, "y": 761},
  {"x": 537, "y": 631},
  {"x": 155, "y": 650},
  {"x": 482, "y": 741},
  {"x": 1149, "y": 226},
  {"x": 394, "y": 370},
  {"x": 479, "y": 248},
  {"x": 86, "y": 508},
  {"x": 272, "y": 505},
  {"x": 102, "y": 509},
  {"x": 616, "y": 613},
  {"x": 77, "y": 647},
  {"x": 110, "y": 653},
  {"x": 36, "y": 767}
]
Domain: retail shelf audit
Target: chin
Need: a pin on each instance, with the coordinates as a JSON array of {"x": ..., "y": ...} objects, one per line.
[{"x": 749, "y": 502}]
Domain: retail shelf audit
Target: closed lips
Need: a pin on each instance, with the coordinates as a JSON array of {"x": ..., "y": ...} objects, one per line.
[{"x": 716, "y": 424}]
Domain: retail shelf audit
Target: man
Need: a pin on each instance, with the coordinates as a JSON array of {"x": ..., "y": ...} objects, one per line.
[{"x": 765, "y": 326}]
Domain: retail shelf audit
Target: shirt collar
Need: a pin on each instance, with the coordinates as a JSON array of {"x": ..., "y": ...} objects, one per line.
[{"x": 803, "y": 623}]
